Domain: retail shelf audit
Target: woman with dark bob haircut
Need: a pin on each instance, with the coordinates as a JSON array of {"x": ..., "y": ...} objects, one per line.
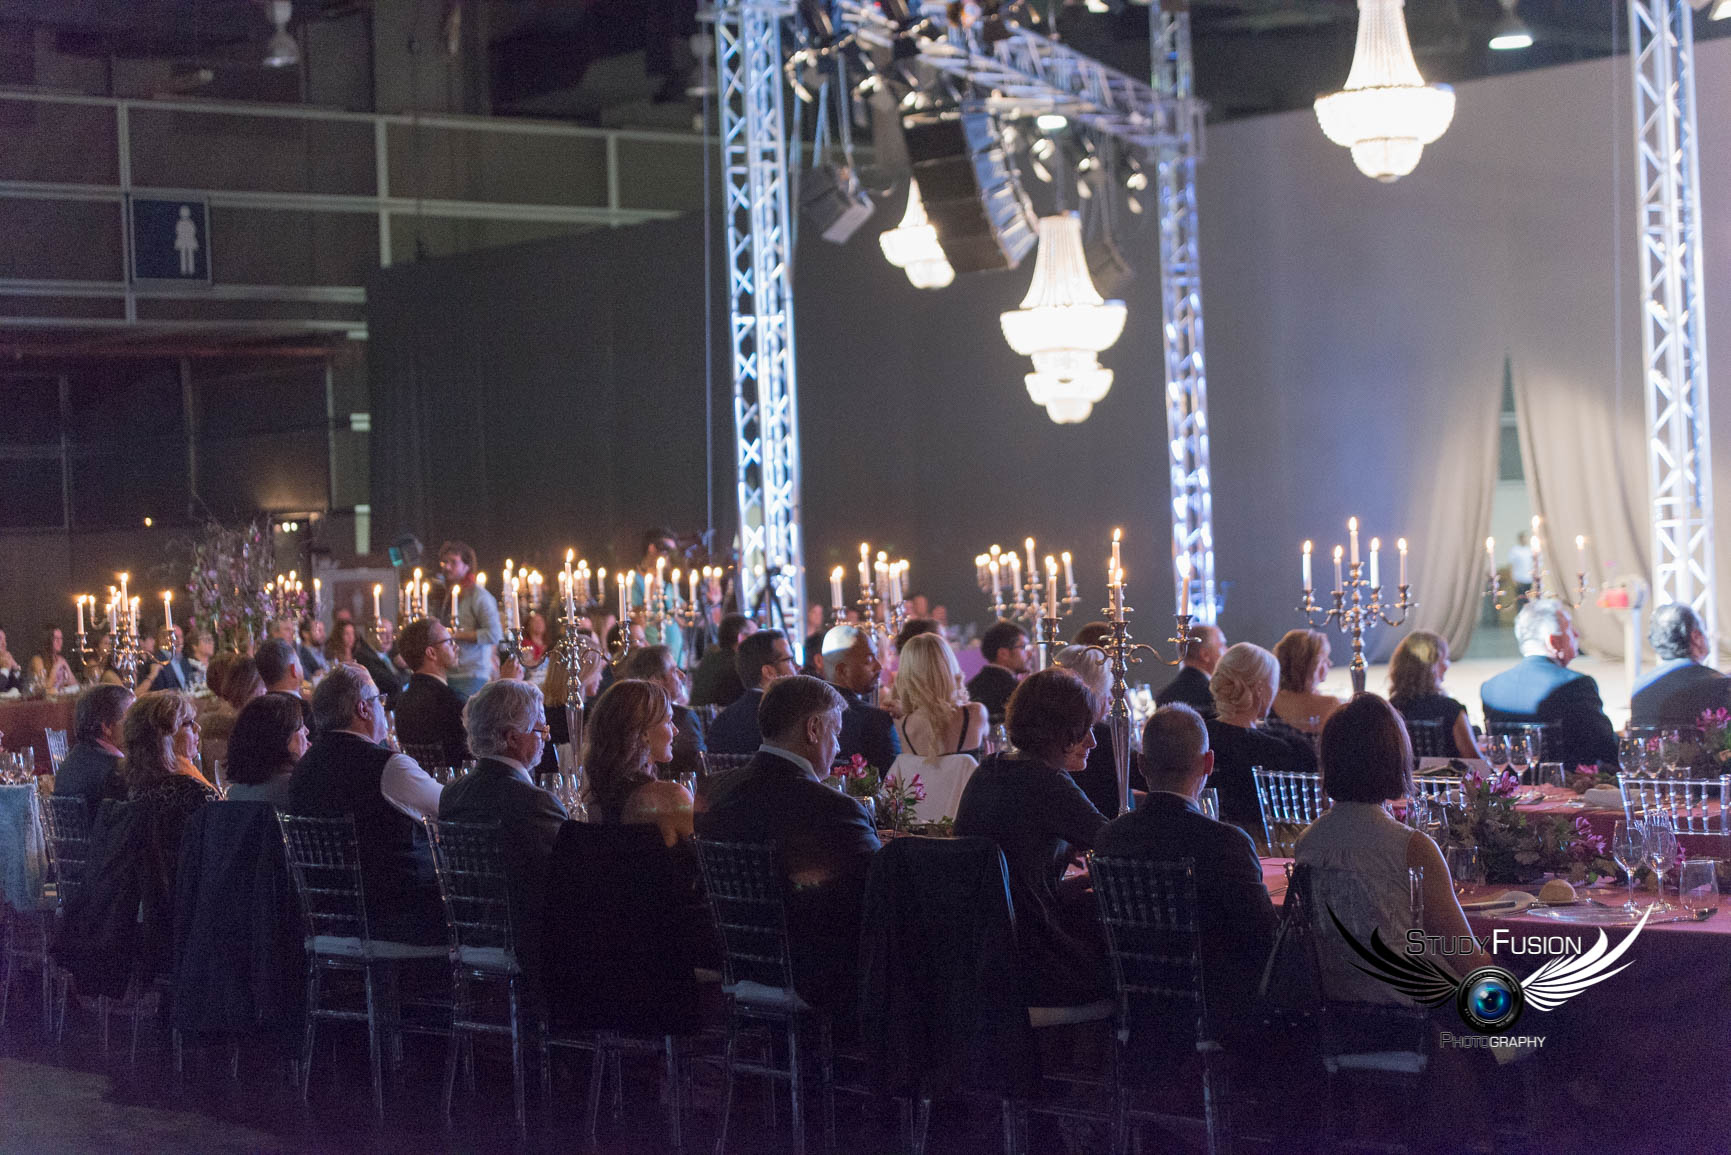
[
  {"x": 1030, "y": 806},
  {"x": 268, "y": 739},
  {"x": 1358, "y": 845}
]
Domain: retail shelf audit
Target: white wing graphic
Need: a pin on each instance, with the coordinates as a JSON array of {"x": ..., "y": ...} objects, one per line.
[{"x": 1565, "y": 976}]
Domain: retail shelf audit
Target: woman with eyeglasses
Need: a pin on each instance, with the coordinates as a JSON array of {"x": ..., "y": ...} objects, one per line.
[{"x": 160, "y": 735}]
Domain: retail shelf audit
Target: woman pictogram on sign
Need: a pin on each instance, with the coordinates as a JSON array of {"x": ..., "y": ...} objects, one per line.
[{"x": 186, "y": 242}]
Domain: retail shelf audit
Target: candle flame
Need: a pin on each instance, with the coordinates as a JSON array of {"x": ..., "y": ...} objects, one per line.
[
  {"x": 835, "y": 574},
  {"x": 1401, "y": 545},
  {"x": 378, "y": 588},
  {"x": 1051, "y": 565},
  {"x": 570, "y": 556},
  {"x": 1580, "y": 541},
  {"x": 996, "y": 550},
  {"x": 1065, "y": 556},
  {"x": 1338, "y": 553},
  {"x": 1490, "y": 545},
  {"x": 1117, "y": 535},
  {"x": 1352, "y": 524},
  {"x": 1029, "y": 543},
  {"x": 1375, "y": 544},
  {"x": 125, "y": 578},
  {"x": 1307, "y": 547}
]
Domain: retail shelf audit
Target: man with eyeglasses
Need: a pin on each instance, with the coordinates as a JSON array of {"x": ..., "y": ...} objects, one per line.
[
  {"x": 763, "y": 659},
  {"x": 429, "y": 711},
  {"x": 349, "y": 771},
  {"x": 1004, "y": 645}
]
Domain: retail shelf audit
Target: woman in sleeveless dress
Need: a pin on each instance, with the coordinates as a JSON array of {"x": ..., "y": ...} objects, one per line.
[
  {"x": 936, "y": 716},
  {"x": 1415, "y": 675},
  {"x": 628, "y": 732}
]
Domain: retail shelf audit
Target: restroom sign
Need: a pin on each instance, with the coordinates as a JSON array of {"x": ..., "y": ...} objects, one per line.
[{"x": 171, "y": 240}]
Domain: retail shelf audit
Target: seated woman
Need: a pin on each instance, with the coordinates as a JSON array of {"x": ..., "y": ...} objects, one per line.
[
  {"x": 1303, "y": 658},
  {"x": 1357, "y": 843},
  {"x": 1029, "y": 804},
  {"x": 628, "y": 732},
  {"x": 50, "y": 672},
  {"x": 936, "y": 716},
  {"x": 1415, "y": 675},
  {"x": 160, "y": 734},
  {"x": 269, "y": 738},
  {"x": 1099, "y": 780},
  {"x": 1243, "y": 685},
  {"x": 234, "y": 681},
  {"x": 340, "y": 646}
]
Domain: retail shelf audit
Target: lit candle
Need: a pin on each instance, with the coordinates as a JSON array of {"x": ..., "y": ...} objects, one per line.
[
  {"x": 1337, "y": 581},
  {"x": 1538, "y": 549},
  {"x": 1401, "y": 546},
  {"x": 600, "y": 583},
  {"x": 168, "y": 608},
  {"x": 980, "y": 569},
  {"x": 426, "y": 595},
  {"x": 1352, "y": 532},
  {"x": 123, "y": 597},
  {"x": 992, "y": 566},
  {"x": 895, "y": 584},
  {"x": 1069, "y": 574},
  {"x": 1491, "y": 555},
  {"x": 1580, "y": 554},
  {"x": 570, "y": 556},
  {"x": 512, "y": 620},
  {"x": 80, "y": 600},
  {"x": 481, "y": 579},
  {"x": 835, "y": 588},
  {"x": 1535, "y": 524},
  {"x": 865, "y": 570},
  {"x": 453, "y": 605},
  {"x": 135, "y": 602},
  {"x": 1051, "y": 586},
  {"x": 1033, "y": 570},
  {"x": 1183, "y": 583},
  {"x": 1375, "y": 571},
  {"x": 624, "y": 603},
  {"x": 673, "y": 592},
  {"x": 1117, "y": 560},
  {"x": 1015, "y": 574},
  {"x": 1306, "y": 556},
  {"x": 378, "y": 591},
  {"x": 694, "y": 587},
  {"x": 318, "y": 595}
]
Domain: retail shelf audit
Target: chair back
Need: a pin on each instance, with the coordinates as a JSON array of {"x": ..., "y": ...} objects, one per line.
[
  {"x": 1290, "y": 800},
  {"x": 1535, "y": 733},
  {"x": 67, "y": 824},
  {"x": 1430, "y": 738},
  {"x": 325, "y": 861},
  {"x": 1154, "y": 942},
  {"x": 748, "y": 901},
  {"x": 1440, "y": 787},
  {"x": 721, "y": 763},
  {"x": 56, "y": 746},
  {"x": 470, "y": 865},
  {"x": 430, "y": 756},
  {"x": 1696, "y": 805}
]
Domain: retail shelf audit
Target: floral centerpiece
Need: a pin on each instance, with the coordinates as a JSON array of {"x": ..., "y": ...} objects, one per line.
[
  {"x": 230, "y": 569},
  {"x": 1516, "y": 847},
  {"x": 1587, "y": 776},
  {"x": 893, "y": 798},
  {"x": 1716, "y": 739}
]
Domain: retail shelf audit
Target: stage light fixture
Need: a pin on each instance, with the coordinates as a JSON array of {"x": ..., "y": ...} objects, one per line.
[
  {"x": 972, "y": 196},
  {"x": 1510, "y": 32}
]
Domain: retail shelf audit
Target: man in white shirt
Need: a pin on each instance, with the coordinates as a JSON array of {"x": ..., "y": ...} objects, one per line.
[{"x": 1521, "y": 564}]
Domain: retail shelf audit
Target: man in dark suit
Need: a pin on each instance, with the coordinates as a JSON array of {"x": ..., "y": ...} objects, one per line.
[
  {"x": 505, "y": 730},
  {"x": 1541, "y": 689},
  {"x": 825, "y": 840},
  {"x": 172, "y": 671},
  {"x": 763, "y": 658},
  {"x": 91, "y": 768},
  {"x": 1236, "y": 915},
  {"x": 280, "y": 668},
  {"x": 1682, "y": 688},
  {"x": 1004, "y": 645},
  {"x": 1190, "y": 686},
  {"x": 656, "y": 664},
  {"x": 716, "y": 680},
  {"x": 850, "y": 663},
  {"x": 429, "y": 711},
  {"x": 311, "y": 648}
]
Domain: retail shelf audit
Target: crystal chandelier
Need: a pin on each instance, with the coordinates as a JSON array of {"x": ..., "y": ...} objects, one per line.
[
  {"x": 912, "y": 246},
  {"x": 1063, "y": 324},
  {"x": 1387, "y": 113}
]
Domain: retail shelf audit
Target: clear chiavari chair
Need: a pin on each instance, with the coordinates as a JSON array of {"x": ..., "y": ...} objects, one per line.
[
  {"x": 1290, "y": 801},
  {"x": 1440, "y": 787},
  {"x": 56, "y": 747},
  {"x": 1696, "y": 805}
]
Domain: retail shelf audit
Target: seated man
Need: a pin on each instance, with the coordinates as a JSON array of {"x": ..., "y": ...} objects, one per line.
[
  {"x": 172, "y": 670},
  {"x": 850, "y": 664},
  {"x": 312, "y": 648},
  {"x": 655, "y": 664},
  {"x": 347, "y": 771},
  {"x": 825, "y": 839},
  {"x": 1004, "y": 646},
  {"x": 1541, "y": 689},
  {"x": 1236, "y": 916},
  {"x": 505, "y": 730},
  {"x": 716, "y": 681},
  {"x": 429, "y": 711},
  {"x": 279, "y": 667},
  {"x": 91, "y": 768},
  {"x": 763, "y": 658},
  {"x": 1190, "y": 686},
  {"x": 1682, "y": 688}
]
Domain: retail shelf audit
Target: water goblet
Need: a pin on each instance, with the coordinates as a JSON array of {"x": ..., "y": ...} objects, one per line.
[
  {"x": 1661, "y": 853},
  {"x": 1208, "y": 798},
  {"x": 1464, "y": 866},
  {"x": 1497, "y": 751},
  {"x": 1520, "y": 754},
  {"x": 1698, "y": 886},
  {"x": 1629, "y": 848}
]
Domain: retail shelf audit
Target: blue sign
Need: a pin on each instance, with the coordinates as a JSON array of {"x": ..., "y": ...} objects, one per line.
[{"x": 170, "y": 240}]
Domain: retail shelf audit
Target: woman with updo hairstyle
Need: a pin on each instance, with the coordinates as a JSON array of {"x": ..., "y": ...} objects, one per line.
[
  {"x": 1243, "y": 685},
  {"x": 628, "y": 732},
  {"x": 269, "y": 737},
  {"x": 1303, "y": 657},
  {"x": 936, "y": 716},
  {"x": 1029, "y": 804},
  {"x": 1415, "y": 674},
  {"x": 1099, "y": 779}
]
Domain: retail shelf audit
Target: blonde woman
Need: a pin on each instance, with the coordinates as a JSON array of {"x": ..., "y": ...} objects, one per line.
[
  {"x": 1244, "y": 685},
  {"x": 1303, "y": 657},
  {"x": 1415, "y": 675},
  {"x": 936, "y": 716}
]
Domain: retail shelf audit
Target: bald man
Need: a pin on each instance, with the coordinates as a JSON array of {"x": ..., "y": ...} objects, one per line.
[
  {"x": 1190, "y": 687},
  {"x": 850, "y": 664}
]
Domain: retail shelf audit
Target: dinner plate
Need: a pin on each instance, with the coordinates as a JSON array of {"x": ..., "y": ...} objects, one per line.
[{"x": 1597, "y": 914}]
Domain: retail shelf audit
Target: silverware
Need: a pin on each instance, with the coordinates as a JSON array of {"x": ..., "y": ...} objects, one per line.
[{"x": 1705, "y": 913}]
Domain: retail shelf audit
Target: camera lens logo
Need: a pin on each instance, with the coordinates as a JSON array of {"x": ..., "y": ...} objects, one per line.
[{"x": 1490, "y": 1000}]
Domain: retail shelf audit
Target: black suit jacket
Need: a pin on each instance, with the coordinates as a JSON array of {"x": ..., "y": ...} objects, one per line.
[
  {"x": 1191, "y": 688},
  {"x": 175, "y": 674},
  {"x": 386, "y": 677},
  {"x": 529, "y": 821},
  {"x": 992, "y": 687},
  {"x": 734, "y": 730},
  {"x": 91, "y": 773},
  {"x": 716, "y": 680},
  {"x": 1540, "y": 690},
  {"x": 431, "y": 713},
  {"x": 1236, "y": 915},
  {"x": 868, "y": 731},
  {"x": 1677, "y": 692},
  {"x": 826, "y": 845}
]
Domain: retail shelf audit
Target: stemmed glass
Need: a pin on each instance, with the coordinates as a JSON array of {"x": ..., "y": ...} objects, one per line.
[
  {"x": 1497, "y": 751},
  {"x": 1661, "y": 848},
  {"x": 1520, "y": 754},
  {"x": 1629, "y": 848}
]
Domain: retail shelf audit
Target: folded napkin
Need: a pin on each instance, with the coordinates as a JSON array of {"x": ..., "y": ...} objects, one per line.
[
  {"x": 11, "y": 695},
  {"x": 1508, "y": 902},
  {"x": 1608, "y": 797}
]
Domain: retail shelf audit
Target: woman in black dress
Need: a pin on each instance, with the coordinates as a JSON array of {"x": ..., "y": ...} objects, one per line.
[
  {"x": 1415, "y": 675},
  {"x": 1029, "y": 804},
  {"x": 1243, "y": 686}
]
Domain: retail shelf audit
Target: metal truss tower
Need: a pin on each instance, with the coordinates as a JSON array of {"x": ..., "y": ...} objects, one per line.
[
  {"x": 1673, "y": 322},
  {"x": 760, "y": 297},
  {"x": 1192, "y": 505}
]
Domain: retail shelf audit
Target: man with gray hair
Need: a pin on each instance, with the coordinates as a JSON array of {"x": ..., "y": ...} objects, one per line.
[
  {"x": 506, "y": 731},
  {"x": 1542, "y": 689},
  {"x": 1683, "y": 687},
  {"x": 850, "y": 664},
  {"x": 1237, "y": 916}
]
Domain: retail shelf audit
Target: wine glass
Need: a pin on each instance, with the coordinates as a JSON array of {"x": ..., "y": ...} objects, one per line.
[
  {"x": 1520, "y": 754},
  {"x": 1661, "y": 850},
  {"x": 1629, "y": 848},
  {"x": 1497, "y": 751}
]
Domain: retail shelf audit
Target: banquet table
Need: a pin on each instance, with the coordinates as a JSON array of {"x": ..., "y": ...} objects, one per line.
[
  {"x": 1560, "y": 801},
  {"x": 24, "y": 723}
]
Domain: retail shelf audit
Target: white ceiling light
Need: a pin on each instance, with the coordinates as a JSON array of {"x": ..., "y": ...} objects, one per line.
[
  {"x": 912, "y": 246},
  {"x": 281, "y": 51},
  {"x": 1063, "y": 324},
  {"x": 1386, "y": 114},
  {"x": 1510, "y": 33}
]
